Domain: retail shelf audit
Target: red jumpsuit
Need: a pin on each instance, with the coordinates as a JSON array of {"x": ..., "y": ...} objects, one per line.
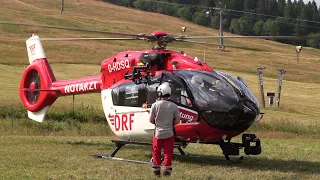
[
  {"x": 168, "y": 146},
  {"x": 164, "y": 114}
]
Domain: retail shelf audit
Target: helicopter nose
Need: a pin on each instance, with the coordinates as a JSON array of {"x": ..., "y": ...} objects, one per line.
[{"x": 239, "y": 118}]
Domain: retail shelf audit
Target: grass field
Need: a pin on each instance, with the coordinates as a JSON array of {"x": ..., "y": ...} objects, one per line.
[
  {"x": 60, "y": 148},
  {"x": 58, "y": 157}
]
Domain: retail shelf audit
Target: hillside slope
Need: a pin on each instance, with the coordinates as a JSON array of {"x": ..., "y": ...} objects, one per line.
[{"x": 103, "y": 16}]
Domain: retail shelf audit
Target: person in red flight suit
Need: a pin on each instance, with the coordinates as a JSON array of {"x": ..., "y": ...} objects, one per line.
[{"x": 164, "y": 114}]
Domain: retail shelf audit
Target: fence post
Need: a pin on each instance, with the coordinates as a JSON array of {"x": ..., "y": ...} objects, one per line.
[
  {"x": 280, "y": 78},
  {"x": 260, "y": 77}
]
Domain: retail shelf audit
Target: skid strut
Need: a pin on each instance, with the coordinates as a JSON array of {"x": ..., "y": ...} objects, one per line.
[
  {"x": 119, "y": 144},
  {"x": 250, "y": 143}
]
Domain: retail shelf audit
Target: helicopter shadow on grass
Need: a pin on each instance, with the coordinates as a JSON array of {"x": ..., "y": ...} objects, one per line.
[
  {"x": 102, "y": 145},
  {"x": 254, "y": 163},
  {"x": 108, "y": 146}
]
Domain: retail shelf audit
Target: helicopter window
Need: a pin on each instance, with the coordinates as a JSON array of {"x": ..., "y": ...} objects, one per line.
[
  {"x": 210, "y": 91},
  {"x": 179, "y": 93},
  {"x": 241, "y": 86}
]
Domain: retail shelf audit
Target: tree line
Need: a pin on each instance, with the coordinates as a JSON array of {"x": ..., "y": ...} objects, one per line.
[{"x": 243, "y": 17}]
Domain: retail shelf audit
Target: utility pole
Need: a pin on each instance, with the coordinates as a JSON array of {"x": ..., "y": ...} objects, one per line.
[
  {"x": 260, "y": 77},
  {"x": 62, "y": 7},
  {"x": 280, "y": 78},
  {"x": 221, "y": 46}
]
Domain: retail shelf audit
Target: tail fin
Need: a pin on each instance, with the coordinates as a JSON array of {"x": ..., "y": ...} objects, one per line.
[
  {"x": 35, "y": 49},
  {"x": 35, "y": 87}
]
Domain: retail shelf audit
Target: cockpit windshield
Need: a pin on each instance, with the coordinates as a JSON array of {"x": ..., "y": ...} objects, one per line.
[
  {"x": 210, "y": 91},
  {"x": 241, "y": 86}
]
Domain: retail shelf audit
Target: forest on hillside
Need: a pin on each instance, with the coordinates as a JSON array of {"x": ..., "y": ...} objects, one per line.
[{"x": 243, "y": 17}]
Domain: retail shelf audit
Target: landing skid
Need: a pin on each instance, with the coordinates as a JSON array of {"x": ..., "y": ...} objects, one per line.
[
  {"x": 228, "y": 148},
  {"x": 119, "y": 144}
]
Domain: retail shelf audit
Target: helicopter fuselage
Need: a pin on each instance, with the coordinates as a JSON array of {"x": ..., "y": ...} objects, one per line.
[{"x": 217, "y": 108}]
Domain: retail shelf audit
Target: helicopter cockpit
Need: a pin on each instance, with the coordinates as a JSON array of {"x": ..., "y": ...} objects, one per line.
[{"x": 223, "y": 101}]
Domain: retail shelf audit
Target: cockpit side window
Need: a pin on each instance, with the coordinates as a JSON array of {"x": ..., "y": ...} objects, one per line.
[{"x": 179, "y": 94}]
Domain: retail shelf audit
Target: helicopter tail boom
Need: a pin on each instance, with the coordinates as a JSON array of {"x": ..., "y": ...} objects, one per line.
[{"x": 39, "y": 88}]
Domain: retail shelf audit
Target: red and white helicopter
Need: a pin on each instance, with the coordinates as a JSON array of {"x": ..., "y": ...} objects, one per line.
[{"x": 214, "y": 106}]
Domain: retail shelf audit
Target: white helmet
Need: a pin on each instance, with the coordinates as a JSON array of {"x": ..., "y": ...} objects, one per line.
[
  {"x": 196, "y": 80},
  {"x": 164, "y": 89}
]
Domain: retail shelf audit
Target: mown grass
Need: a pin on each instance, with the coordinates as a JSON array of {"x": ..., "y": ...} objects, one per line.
[
  {"x": 68, "y": 157},
  {"x": 69, "y": 127},
  {"x": 287, "y": 126},
  {"x": 61, "y": 114}
]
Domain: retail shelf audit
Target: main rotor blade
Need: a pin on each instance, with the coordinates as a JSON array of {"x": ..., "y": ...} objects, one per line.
[
  {"x": 197, "y": 42},
  {"x": 206, "y": 43},
  {"x": 261, "y": 37},
  {"x": 83, "y": 39},
  {"x": 72, "y": 29}
]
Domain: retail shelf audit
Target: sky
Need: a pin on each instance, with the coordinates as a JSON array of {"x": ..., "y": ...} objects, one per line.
[{"x": 317, "y": 1}]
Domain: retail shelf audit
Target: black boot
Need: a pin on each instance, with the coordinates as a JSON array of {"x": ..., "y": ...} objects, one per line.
[
  {"x": 157, "y": 173},
  {"x": 156, "y": 170},
  {"x": 167, "y": 172}
]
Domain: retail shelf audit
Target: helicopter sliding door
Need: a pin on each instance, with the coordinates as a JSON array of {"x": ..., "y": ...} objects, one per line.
[
  {"x": 122, "y": 105},
  {"x": 180, "y": 96}
]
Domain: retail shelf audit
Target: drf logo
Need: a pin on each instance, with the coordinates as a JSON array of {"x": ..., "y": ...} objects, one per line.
[
  {"x": 122, "y": 121},
  {"x": 32, "y": 48}
]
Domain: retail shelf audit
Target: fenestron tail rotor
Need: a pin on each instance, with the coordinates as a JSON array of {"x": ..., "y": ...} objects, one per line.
[{"x": 32, "y": 85}]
